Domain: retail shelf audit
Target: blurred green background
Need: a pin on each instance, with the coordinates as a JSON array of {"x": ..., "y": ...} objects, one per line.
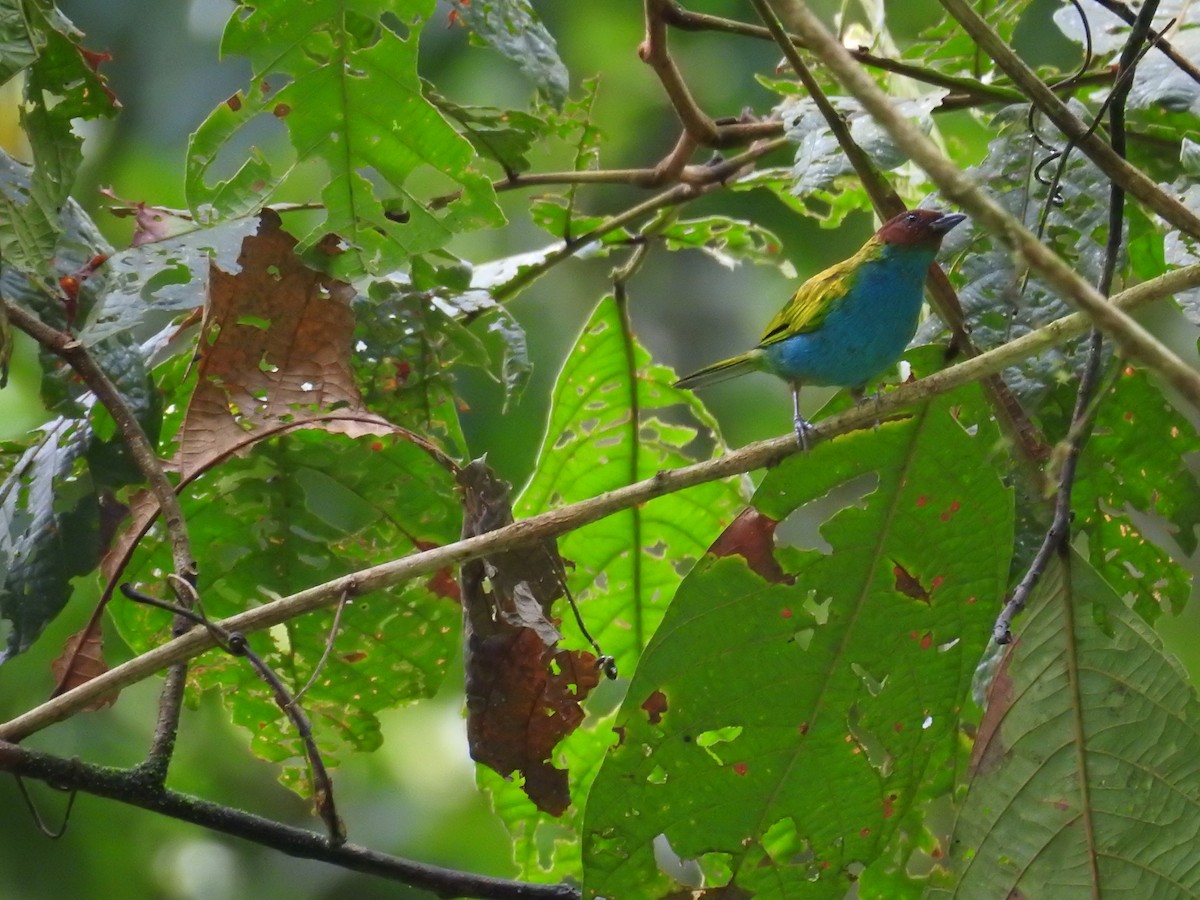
[{"x": 416, "y": 797}]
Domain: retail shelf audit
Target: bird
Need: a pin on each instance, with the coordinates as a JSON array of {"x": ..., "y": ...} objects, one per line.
[{"x": 847, "y": 324}]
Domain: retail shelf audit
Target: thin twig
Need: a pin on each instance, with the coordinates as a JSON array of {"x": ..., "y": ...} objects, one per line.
[
  {"x": 235, "y": 644},
  {"x": 719, "y": 174},
  {"x": 1132, "y": 179},
  {"x": 1184, "y": 64},
  {"x": 53, "y": 833},
  {"x": 1057, "y": 540},
  {"x": 568, "y": 518},
  {"x": 966, "y": 91},
  {"x": 333, "y": 633},
  {"x": 696, "y": 123},
  {"x": 126, "y": 787}
]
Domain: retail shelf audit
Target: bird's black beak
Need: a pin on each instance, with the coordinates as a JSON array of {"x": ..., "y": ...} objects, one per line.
[{"x": 945, "y": 222}]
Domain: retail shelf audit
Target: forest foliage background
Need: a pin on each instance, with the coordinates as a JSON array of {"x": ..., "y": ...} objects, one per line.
[{"x": 501, "y": 382}]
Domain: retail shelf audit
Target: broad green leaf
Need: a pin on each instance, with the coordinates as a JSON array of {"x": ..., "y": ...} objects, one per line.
[
  {"x": 352, "y": 100},
  {"x": 513, "y": 28},
  {"x": 1134, "y": 469},
  {"x": 786, "y": 731},
  {"x": 60, "y": 87},
  {"x": 726, "y": 240},
  {"x": 296, "y": 512},
  {"x": 614, "y": 419},
  {"x": 1083, "y": 781}
]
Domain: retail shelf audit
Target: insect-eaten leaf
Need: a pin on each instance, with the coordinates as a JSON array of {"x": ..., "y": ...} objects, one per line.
[
  {"x": 523, "y": 694},
  {"x": 275, "y": 348}
]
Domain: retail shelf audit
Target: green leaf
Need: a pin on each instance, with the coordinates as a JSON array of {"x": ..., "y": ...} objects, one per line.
[
  {"x": 785, "y": 733},
  {"x": 1134, "y": 471},
  {"x": 820, "y": 162},
  {"x": 143, "y": 288},
  {"x": 17, "y": 39},
  {"x": 61, "y": 86},
  {"x": 503, "y": 135},
  {"x": 1083, "y": 780},
  {"x": 726, "y": 240},
  {"x": 614, "y": 419},
  {"x": 409, "y": 344},
  {"x": 352, "y": 100},
  {"x": 513, "y": 28},
  {"x": 557, "y": 215},
  {"x": 49, "y": 531},
  {"x": 296, "y": 512}
]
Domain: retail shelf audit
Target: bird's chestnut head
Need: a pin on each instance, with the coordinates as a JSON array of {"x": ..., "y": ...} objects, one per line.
[{"x": 918, "y": 227}]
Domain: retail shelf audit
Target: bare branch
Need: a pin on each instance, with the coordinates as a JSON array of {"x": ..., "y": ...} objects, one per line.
[
  {"x": 129, "y": 788},
  {"x": 1109, "y": 161}
]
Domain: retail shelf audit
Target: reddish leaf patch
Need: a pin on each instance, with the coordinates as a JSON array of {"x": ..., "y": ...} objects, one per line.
[
  {"x": 752, "y": 536},
  {"x": 655, "y": 705}
]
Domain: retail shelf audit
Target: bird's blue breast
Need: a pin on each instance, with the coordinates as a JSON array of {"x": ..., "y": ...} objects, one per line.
[{"x": 865, "y": 332}]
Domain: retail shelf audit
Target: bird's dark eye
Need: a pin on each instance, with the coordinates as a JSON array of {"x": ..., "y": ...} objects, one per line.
[{"x": 912, "y": 217}]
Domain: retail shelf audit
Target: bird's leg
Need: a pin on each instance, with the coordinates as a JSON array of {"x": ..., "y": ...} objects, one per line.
[
  {"x": 860, "y": 398},
  {"x": 800, "y": 423}
]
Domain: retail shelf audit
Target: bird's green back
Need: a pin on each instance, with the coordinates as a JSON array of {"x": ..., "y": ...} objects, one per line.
[{"x": 816, "y": 297}]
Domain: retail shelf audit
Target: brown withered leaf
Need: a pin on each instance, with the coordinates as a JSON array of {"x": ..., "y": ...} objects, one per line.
[
  {"x": 81, "y": 660},
  {"x": 275, "y": 346},
  {"x": 523, "y": 695},
  {"x": 752, "y": 536}
]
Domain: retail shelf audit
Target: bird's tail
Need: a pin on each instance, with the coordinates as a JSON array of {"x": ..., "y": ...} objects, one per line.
[{"x": 725, "y": 369}]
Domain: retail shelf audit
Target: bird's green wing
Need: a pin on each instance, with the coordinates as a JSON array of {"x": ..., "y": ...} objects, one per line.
[{"x": 816, "y": 297}]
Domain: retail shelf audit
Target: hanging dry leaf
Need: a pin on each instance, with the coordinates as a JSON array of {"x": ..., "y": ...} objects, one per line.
[
  {"x": 523, "y": 695},
  {"x": 81, "y": 660}
]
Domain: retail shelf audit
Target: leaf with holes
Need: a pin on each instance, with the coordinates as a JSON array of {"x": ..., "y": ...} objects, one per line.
[
  {"x": 1133, "y": 474},
  {"x": 351, "y": 98},
  {"x": 294, "y": 512},
  {"x": 813, "y": 767},
  {"x": 614, "y": 419}
]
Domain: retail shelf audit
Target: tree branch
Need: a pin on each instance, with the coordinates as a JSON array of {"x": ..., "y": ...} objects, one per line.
[
  {"x": 1185, "y": 65},
  {"x": 568, "y": 518},
  {"x": 130, "y": 788},
  {"x": 1106, "y": 159},
  {"x": 956, "y": 185},
  {"x": 72, "y": 351}
]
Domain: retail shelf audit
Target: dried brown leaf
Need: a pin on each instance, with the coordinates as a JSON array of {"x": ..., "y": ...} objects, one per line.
[
  {"x": 81, "y": 660},
  {"x": 275, "y": 347},
  {"x": 523, "y": 694}
]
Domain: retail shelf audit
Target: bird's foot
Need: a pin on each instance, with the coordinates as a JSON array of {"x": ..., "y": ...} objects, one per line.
[
  {"x": 803, "y": 430},
  {"x": 861, "y": 399}
]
